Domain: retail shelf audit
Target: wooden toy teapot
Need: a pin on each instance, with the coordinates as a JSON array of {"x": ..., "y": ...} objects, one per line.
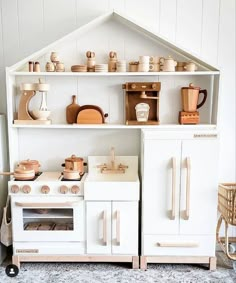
[{"x": 167, "y": 64}]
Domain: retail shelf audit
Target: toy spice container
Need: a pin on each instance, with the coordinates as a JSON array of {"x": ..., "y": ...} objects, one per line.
[
  {"x": 36, "y": 67},
  {"x": 50, "y": 67},
  {"x": 112, "y": 61},
  {"x": 91, "y": 61},
  {"x": 60, "y": 67},
  {"x": 133, "y": 66},
  {"x": 31, "y": 66},
  {"x": 121, "y": 66}
]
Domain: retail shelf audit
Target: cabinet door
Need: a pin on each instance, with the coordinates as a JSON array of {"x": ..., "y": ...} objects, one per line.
[
  {"x": 202, "y": 169},
  {"x": 160, "y": 205},
  {"x": 98, "y": 227},
  {"x": 125, "y": 228}
]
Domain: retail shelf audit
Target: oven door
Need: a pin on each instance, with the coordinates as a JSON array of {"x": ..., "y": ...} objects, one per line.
[{"x": 47, "y": 218}]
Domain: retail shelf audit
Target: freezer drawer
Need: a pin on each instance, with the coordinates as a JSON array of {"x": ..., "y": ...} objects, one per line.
[{"x": 182, "y": 245}]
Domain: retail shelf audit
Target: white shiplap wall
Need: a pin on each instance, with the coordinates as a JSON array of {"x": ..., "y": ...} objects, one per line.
[{"x": 204, "y": 27}]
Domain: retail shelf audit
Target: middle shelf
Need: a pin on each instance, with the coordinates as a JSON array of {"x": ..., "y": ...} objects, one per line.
[{"x": 113, "y": 74}]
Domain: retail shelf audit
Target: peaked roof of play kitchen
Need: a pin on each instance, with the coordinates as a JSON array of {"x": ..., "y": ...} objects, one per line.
[{"x": 127, "y": 22}]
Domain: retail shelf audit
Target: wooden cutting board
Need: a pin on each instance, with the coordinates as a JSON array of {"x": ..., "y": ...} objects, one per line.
[{"x": 72, "y": 111}]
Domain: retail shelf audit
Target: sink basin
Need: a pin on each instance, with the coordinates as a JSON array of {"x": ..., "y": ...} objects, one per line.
[
  {"x": 112, "y": 186},
  {"x": 111, "y": 178}
]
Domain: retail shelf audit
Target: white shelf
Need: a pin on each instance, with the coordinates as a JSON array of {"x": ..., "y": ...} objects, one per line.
[
  {"x": 116, "y": 126},
  {"x": 115, "y": 74}
]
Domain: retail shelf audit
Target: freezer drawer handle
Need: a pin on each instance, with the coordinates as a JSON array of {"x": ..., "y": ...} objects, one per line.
[
  {"x": 186, "y": 212},
  {"x": 172, "y": 216},
  {"x": 178, "y": 245},
  {"x": 48, "y": 204}
]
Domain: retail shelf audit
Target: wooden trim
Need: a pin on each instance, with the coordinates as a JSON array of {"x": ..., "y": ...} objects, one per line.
[
  {"x": 212, "y": 263},
  {"x": 180, "y": 259},
  {"x": 143, "y": 262},
  {"x": 16, "y": 260},
  {"x": 135, "y": 262},
  {"x": 172, "y": 216},
  {"x": 133, "y": 259},
  {"x": 75, "y": 258}
]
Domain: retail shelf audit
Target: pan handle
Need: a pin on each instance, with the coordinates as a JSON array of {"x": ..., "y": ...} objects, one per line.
[{"x": 7, "y": 173}]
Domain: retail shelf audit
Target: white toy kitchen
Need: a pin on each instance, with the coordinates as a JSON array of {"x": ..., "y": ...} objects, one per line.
[
  {"x": 150, "y": 163},
  {"x": 96, "y": 214}
]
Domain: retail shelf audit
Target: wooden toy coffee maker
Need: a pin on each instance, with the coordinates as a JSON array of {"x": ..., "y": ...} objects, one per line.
[
  {"x": 142, "y": 103},
  {"x": 190, "y": 96},
  {"x": 36, "y": 116}
]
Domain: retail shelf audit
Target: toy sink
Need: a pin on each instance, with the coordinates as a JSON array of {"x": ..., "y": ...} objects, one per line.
[{"x": 112, "y": 178}]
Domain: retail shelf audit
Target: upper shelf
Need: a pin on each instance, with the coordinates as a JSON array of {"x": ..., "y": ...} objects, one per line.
[
  {"x": 113, "y": 74},
  {"x": 116, "y": 126}
]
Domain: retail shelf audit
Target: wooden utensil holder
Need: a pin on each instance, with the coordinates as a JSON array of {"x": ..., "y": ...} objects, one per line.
[{"x": 142, "y": 92}]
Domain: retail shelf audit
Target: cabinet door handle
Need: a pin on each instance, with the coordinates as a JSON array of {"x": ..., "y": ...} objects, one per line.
[
  {"x": 186, "y": 212},
  {"x": 178, "y": 245},
  {"x": 104, "y": 237},
  {"x": 172, "y": 216},
  {"x": 118, "y": 228}
]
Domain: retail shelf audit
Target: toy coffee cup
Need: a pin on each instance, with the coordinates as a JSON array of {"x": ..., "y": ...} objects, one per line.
[{"x": 190, "y": 67}]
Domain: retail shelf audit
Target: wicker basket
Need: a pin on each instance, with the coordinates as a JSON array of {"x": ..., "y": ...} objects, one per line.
[{"x": 227, "y": 202}]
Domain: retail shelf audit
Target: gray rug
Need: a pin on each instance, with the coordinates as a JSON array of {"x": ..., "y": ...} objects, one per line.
[{"x": 122, "y": 273}]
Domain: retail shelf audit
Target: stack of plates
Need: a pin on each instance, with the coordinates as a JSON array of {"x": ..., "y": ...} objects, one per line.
[
  {"x": 101, "y": 68},
  {"x": 79, "y": 68}
]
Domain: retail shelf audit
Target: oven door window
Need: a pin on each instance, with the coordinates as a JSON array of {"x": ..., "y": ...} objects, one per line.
[
  {"x": 44, "y": 219},
  {"x": 47, "y": 219}
]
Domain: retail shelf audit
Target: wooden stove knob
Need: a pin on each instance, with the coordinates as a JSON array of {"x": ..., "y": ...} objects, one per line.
[
  {"x": 133, "y": 86},
  {"x": 15, "y": 189},
  {"x": 64, "y": 189},
  {"x": 45, "y": 189},
  {"x": 75, "y": 189},
  {"x": 26, "y": 189},
  {"x": 154, "y": 86}
]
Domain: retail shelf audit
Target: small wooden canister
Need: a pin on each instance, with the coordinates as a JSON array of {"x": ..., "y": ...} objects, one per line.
[
  {"x": 133, "y": 66},
  {"x": 50, "y": 67}
]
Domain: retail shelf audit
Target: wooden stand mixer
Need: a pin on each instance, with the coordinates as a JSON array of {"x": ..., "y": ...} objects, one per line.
[
  {"x": 189, "y": 96},
  {"x": 24, "y": 116}
]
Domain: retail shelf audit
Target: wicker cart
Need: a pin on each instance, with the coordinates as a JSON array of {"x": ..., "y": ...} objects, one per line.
[{"x": 227, "y": 209}]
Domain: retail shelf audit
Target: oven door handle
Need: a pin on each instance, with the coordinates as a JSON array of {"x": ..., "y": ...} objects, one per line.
[{"x": 48, "y": 204}]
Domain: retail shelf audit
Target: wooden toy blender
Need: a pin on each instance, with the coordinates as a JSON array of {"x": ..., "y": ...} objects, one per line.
[{"x": 190, "y": 96}]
